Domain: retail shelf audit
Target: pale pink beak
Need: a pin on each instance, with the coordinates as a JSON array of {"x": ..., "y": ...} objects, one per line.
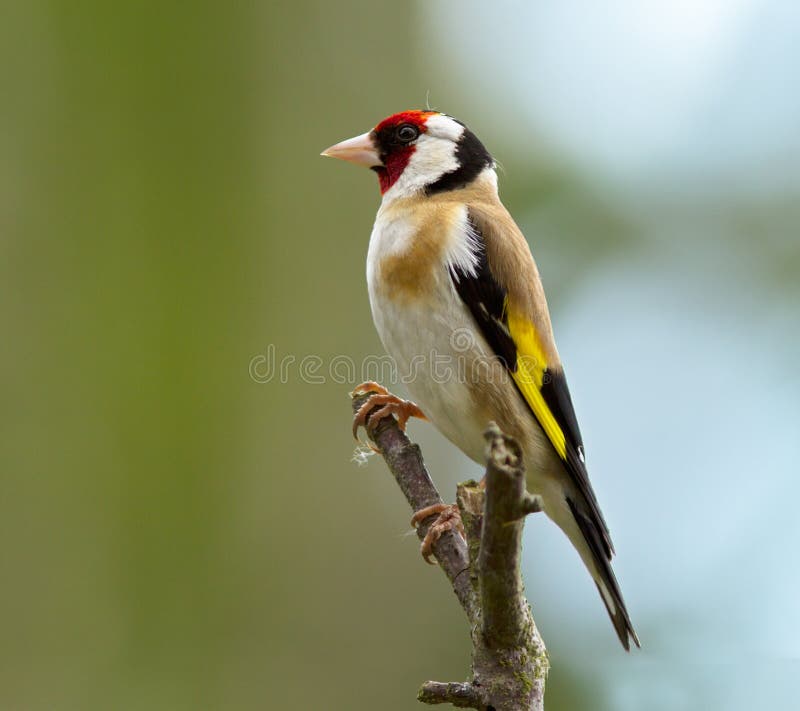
[{"x": 359, "y": 150}]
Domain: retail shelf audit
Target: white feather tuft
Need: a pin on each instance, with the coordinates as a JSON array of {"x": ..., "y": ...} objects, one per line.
[{"x": 463, "y": 252}]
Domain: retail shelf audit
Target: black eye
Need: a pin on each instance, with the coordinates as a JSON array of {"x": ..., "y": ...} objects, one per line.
[{"x": 406, "y": 133}]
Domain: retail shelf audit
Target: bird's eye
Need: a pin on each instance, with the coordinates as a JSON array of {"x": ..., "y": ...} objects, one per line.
[{"x": 407, "y": 133}]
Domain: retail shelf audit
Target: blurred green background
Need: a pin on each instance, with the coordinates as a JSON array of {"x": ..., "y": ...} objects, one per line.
[{"x": 175, "y": 534}]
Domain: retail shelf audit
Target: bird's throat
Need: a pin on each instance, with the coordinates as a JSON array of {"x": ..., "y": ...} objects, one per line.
[{"x": 395, "y": 164}]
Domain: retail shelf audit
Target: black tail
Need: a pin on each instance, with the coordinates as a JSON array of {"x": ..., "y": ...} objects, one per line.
[{"x": 605, "y": 578}]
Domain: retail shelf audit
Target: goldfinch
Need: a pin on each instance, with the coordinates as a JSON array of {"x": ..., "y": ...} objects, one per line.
[{"x": 458, "y": 303}]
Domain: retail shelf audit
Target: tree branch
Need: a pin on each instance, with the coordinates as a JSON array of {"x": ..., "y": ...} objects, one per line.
[
  {"x": 509, "y": 660},
  {"x": 405, "y": 462}
]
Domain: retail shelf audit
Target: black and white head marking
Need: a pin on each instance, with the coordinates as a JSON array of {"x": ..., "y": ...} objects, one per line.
[
  {"x": 472, "y": 159},
  {"x": 446, "y": 156}
]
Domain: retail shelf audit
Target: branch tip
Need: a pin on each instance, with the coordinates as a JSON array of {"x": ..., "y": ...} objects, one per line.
[
  {"x": 531, "y": 504},
  {"x": 459, "y": 694},
  {"x": 470, "y": 497},
  {"x": 501, "y": 450}
]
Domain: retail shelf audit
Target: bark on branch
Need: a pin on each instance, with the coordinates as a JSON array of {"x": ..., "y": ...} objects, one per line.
[{"x": 509, "y": 660}]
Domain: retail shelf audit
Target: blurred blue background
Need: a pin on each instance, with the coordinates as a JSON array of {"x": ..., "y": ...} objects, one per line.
[{"x": 178, "y": 534}]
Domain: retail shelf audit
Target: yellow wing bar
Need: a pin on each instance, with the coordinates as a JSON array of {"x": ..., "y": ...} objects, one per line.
[{"x": 529, "y": 376}]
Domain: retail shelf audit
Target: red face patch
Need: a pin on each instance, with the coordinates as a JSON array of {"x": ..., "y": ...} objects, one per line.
[
  {"x": 394, "y": 152},
  {"x": 416, "y": 118}
]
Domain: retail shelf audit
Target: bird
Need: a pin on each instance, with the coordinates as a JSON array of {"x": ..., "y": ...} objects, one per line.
[{"x": 458, "y": 303}]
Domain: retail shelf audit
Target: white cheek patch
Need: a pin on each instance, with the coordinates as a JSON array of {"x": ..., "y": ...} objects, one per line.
[
  {"x": 434, "y": 155},
  {"x": 431, "y": 159}
]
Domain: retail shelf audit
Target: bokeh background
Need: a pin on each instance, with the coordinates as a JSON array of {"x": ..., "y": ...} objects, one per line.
[{"x": 178, "y": 534}]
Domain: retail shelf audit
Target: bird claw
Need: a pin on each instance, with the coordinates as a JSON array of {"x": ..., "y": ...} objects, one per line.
[
  {"x": 369, "y": 386},
  {"x": 449, "y": 519},
  {"x": 368, "y": 417}
]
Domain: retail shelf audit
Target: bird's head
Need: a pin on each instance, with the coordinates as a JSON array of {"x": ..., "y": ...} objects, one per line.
[{"x": 417, "y": 151}]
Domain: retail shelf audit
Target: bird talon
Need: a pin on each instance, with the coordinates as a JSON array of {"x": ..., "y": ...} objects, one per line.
[
  {"x": 368, "y": 416},
  {"x": 369, "y": 386},
  {"x": 449, "y": 519}
]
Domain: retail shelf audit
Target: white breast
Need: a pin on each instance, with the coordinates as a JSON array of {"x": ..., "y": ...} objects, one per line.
[{"x": 432, "y": 340}]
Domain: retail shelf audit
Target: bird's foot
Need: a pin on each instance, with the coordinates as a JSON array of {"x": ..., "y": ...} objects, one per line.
[
  {"x": 449, "y": 519},
  {"x": 368, "y": 417}
]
